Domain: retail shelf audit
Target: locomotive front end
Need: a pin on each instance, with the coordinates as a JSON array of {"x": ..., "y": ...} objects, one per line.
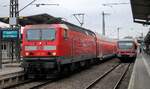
[{"x": 39, "y": 49}]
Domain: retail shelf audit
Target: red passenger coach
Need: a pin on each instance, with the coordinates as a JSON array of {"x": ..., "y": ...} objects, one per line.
[
  {"x": 106, "y": 47},
  {"x": 56, "y": 46}
]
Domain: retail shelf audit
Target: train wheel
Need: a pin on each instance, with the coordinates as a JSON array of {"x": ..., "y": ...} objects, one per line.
[
  {"x": 122, "y": 59},
  {"x": 96, "y": 61},
  {"x": 65, "y": 70},
  {"x": 82, "y": 63},
  {"x": 89, "y": 63},
  {"x": 93, "y": 61},
  {"x": 72, "y": 67}
]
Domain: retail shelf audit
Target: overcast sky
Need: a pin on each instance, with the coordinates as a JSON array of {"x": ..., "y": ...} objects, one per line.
[{"x": 120, "y": 15}]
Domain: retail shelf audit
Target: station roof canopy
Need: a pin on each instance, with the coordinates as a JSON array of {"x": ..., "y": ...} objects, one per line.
[
  {"x": 34, "y": 19},
  {"x": 147, "y": 38},
  {"x": 41, "y": 19},
  {"x": 141, "y": 11}
]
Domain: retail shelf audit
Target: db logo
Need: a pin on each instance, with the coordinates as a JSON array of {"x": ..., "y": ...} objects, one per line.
[{"x": 40, "y": 47}]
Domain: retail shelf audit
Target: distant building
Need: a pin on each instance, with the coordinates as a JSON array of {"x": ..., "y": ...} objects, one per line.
[{"x": 5, "y": 45}]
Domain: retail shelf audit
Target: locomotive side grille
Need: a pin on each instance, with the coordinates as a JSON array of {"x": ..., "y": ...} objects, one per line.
[
  {"x": 49, "y": 48},
  {"x": 29, "y": 48}
]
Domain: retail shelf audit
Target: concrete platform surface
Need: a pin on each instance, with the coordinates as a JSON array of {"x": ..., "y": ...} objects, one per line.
[
  {"x": 140, "y": 78},
  {"x": 10, "y": 74},
  {"x": 5, "y": 61},
  {"x": 10, "y": 68}
]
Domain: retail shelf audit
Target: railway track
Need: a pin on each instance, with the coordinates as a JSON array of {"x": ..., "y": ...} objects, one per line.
[
  {"x": 42, "y": 84},
  {"x": 30, "y": 84},
  {"x": 38, "y": 84},
  {"x": 121, "y": 78},
  {"x": 81, "y": 79},
  {"x": 91, "y": 85},
  {"x": 19, "y": 84}
]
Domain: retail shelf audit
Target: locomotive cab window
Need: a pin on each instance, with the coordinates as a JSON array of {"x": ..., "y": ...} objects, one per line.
[
  {"x": 65, "y": 34},
  {"x": 33, "y": 34},
  {"x": 125, "y": 45},
  {"x": 48, "y": 34},
  {"x": 41, "y": 34}
]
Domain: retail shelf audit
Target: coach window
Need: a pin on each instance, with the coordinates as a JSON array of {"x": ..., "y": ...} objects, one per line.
[{"x": 65, "y": 34}]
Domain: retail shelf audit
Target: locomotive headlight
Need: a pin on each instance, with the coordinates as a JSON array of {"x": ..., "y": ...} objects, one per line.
[
  {"x": 40, "y": 43},
  {"x": 27, "y": 53},
  {"x": 54, "y": 53}
]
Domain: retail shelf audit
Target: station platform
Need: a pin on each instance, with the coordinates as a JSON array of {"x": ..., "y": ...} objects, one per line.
[
  {"x": 10, "y": 68},
  {"x": 140, "y": 78},
  {"x": 10, "y": 74},
  {"x": 5, "y": 61}
]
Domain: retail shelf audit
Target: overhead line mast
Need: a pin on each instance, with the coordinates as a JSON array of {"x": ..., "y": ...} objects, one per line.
[
  {"x": 80, "y": 18},
  {"x": 13, "y": 15}
]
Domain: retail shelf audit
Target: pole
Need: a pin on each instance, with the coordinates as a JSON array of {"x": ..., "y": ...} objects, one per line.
[
  {"x": 103, "y": 23},
  {"x": 0, "y": 53},
  {"x": 118, "y": 32},
  {"x": 142, "y": 34},
  {"x": 14, "y": 15}
]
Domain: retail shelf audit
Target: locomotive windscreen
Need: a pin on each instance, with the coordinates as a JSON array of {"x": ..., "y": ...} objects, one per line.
[
  {"x": 125, "y": 44},
  {"x": 41, "y": 34}
]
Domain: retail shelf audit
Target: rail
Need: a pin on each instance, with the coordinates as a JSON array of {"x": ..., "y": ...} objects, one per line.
[
  {"x": 102, "y": 76},
  {"x": 122, "y": 76}
]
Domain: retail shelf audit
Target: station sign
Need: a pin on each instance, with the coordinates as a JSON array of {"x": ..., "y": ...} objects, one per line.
[{"x": 9, "y": 34}]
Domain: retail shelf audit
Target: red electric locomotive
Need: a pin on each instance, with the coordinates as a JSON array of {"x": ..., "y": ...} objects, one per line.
[{"x": 48, "y": 47}]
